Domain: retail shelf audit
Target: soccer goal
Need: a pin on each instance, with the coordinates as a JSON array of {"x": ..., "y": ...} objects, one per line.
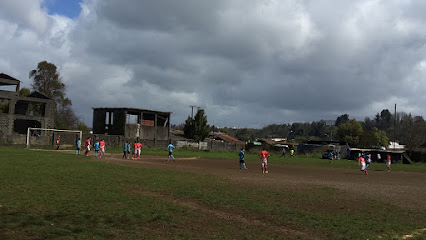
[{"x": 47, "y": 137}]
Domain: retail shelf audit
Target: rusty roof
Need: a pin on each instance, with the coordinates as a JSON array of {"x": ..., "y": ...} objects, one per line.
[{"x": 227, "y": 138}]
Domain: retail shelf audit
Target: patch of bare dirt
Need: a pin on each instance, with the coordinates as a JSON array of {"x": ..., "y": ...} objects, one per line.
[{"x": 403, "y": 189}]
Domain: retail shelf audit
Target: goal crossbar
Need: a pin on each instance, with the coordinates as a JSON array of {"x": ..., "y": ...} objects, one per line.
[{"x": 51, "y": 129}]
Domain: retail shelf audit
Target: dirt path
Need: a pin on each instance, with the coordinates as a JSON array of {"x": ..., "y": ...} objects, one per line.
[{"x": 404, "y": 189}]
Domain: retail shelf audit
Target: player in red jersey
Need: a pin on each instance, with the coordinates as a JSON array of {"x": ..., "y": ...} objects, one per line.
[
  {"x": 102, "y": 148},
  {"x": 138, "y": 149},
  {"x": 388, "y": 162},
  {"x": 87, "y": 145},
  {"x": 362, "y": 165},
  {"x": 134, "y": 150},
  {"x": 264, "y": 160},
  {"x": 58, "y": 142}
]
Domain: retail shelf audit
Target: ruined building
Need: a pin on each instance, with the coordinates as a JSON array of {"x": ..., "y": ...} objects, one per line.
[
  {"x": 132, "y": 123},
  {"x": 18, "y": 113}
]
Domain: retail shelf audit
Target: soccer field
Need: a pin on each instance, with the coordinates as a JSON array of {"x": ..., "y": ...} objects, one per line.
[{"x": 58, "y": 195}]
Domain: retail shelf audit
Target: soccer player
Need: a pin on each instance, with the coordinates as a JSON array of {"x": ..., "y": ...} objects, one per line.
[
  {"x": 125, "y": 150},
  {"x": 291, "y": 152},
  {"x": 138, "y": 149},
  {"x": 242, "y": 163},
  {"x": 58, "y": 142},
  {"x": 367, "y": 160},
  {"x": 102, "y": 148},
  {"x": 87, "y": 145},
  {"x": 361, "y": 163},
  {"x": 78, "y": 143},
  {"x": 96, "y": 147},
  {"x": 264, "y": 160},
  {"x": 330, "y": 157},
  {"x": 283, "y": 152},
  {"x": 129, "y": 149},
  {"x": 134, "y": 150},
  {"x": 388, "y": 162},
  {"x": 170, "y": 147}
]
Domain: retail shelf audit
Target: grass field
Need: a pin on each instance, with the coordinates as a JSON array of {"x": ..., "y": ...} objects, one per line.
[{"x": 50, "y": 195}]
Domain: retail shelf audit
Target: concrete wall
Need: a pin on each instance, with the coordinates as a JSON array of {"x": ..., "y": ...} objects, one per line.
[
  {"x": 7, "y": 120},
  {"x": 224, "y": 146},
  {"x": 132, "y": 131},
  {"x": 148, "y": 132},
  {"x": 162, "y": 133}
]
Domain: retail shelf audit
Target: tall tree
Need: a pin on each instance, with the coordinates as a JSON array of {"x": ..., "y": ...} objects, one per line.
[
  {"x": 197, "y": 128},
  {"x": 188, "y": 128},
  {"x": 201, "y": 128},
  {"x": 47, "y": 81}
]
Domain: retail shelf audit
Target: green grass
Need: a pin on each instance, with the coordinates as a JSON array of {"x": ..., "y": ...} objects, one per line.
[{"x": 49, "y": 195}]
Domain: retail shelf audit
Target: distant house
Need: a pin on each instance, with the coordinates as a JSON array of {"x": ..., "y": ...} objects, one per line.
[
  {"x": 224, "y": 138},
  {"x": 271, "y": 145},
  {"x": 177, "y": 135},
  {"x": 395, "y": 146}
]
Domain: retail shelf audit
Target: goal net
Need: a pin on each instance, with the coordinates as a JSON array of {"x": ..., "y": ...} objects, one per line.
[{"x": 46, "y": 138}]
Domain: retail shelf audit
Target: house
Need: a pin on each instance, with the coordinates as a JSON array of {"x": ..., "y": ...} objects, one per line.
[
  {"x": 271, "y": 145},
  {"x": 18, "y": 113},
  {"x": 215, "y": 136},
  {"x": 133, "y": 123}
]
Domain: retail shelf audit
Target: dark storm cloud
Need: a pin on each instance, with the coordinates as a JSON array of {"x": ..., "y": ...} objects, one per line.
[{"x": 248, "y": 63}]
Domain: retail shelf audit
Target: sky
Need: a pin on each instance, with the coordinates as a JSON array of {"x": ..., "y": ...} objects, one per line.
[{"x": 246, "y": 63}]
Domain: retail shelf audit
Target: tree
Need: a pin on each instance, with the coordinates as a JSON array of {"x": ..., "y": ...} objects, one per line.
[
  {"x": 374, "y": 137},
  {"x": 24, "y": 92},
  {"x": 342, "y": 119},
  {"x": 368, "y": 124},
  {"x": 188, "y": 128},
  {"x": 201, "y": 128},
  {"x": 319, "y": 129},
  {"x": 412, "y": 131},
  {"x": 350, "y": 132},
  {"x": 83, "y": 127},
  {"x": 47, "y": 81},
  {"x": 197, "y": 128}
]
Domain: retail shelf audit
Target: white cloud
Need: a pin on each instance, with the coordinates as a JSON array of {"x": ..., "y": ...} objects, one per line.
[{"x": 25, "y": 13}]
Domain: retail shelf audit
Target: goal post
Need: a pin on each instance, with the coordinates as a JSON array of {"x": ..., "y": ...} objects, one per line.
[{"x": 31, "y": 130}]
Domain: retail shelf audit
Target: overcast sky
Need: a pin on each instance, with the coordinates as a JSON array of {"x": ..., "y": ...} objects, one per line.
[{"x": 247, "y": 63}]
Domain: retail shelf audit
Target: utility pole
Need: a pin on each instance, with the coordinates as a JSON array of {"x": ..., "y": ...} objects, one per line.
[
  {"x": 394, "y": 130},
  {"x": 192, "y": 110}
]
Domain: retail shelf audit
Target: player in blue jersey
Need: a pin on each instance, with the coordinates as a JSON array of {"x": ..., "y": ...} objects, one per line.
[
  {"x": 96, "y": 147},
  {"x": 78, "y": 143},
  {"x": 241, "y": 155},
  {"x": 170, "y": 147}
]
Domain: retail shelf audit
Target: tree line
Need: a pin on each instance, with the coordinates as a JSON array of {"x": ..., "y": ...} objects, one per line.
[{"x": 401, "y": 127}]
